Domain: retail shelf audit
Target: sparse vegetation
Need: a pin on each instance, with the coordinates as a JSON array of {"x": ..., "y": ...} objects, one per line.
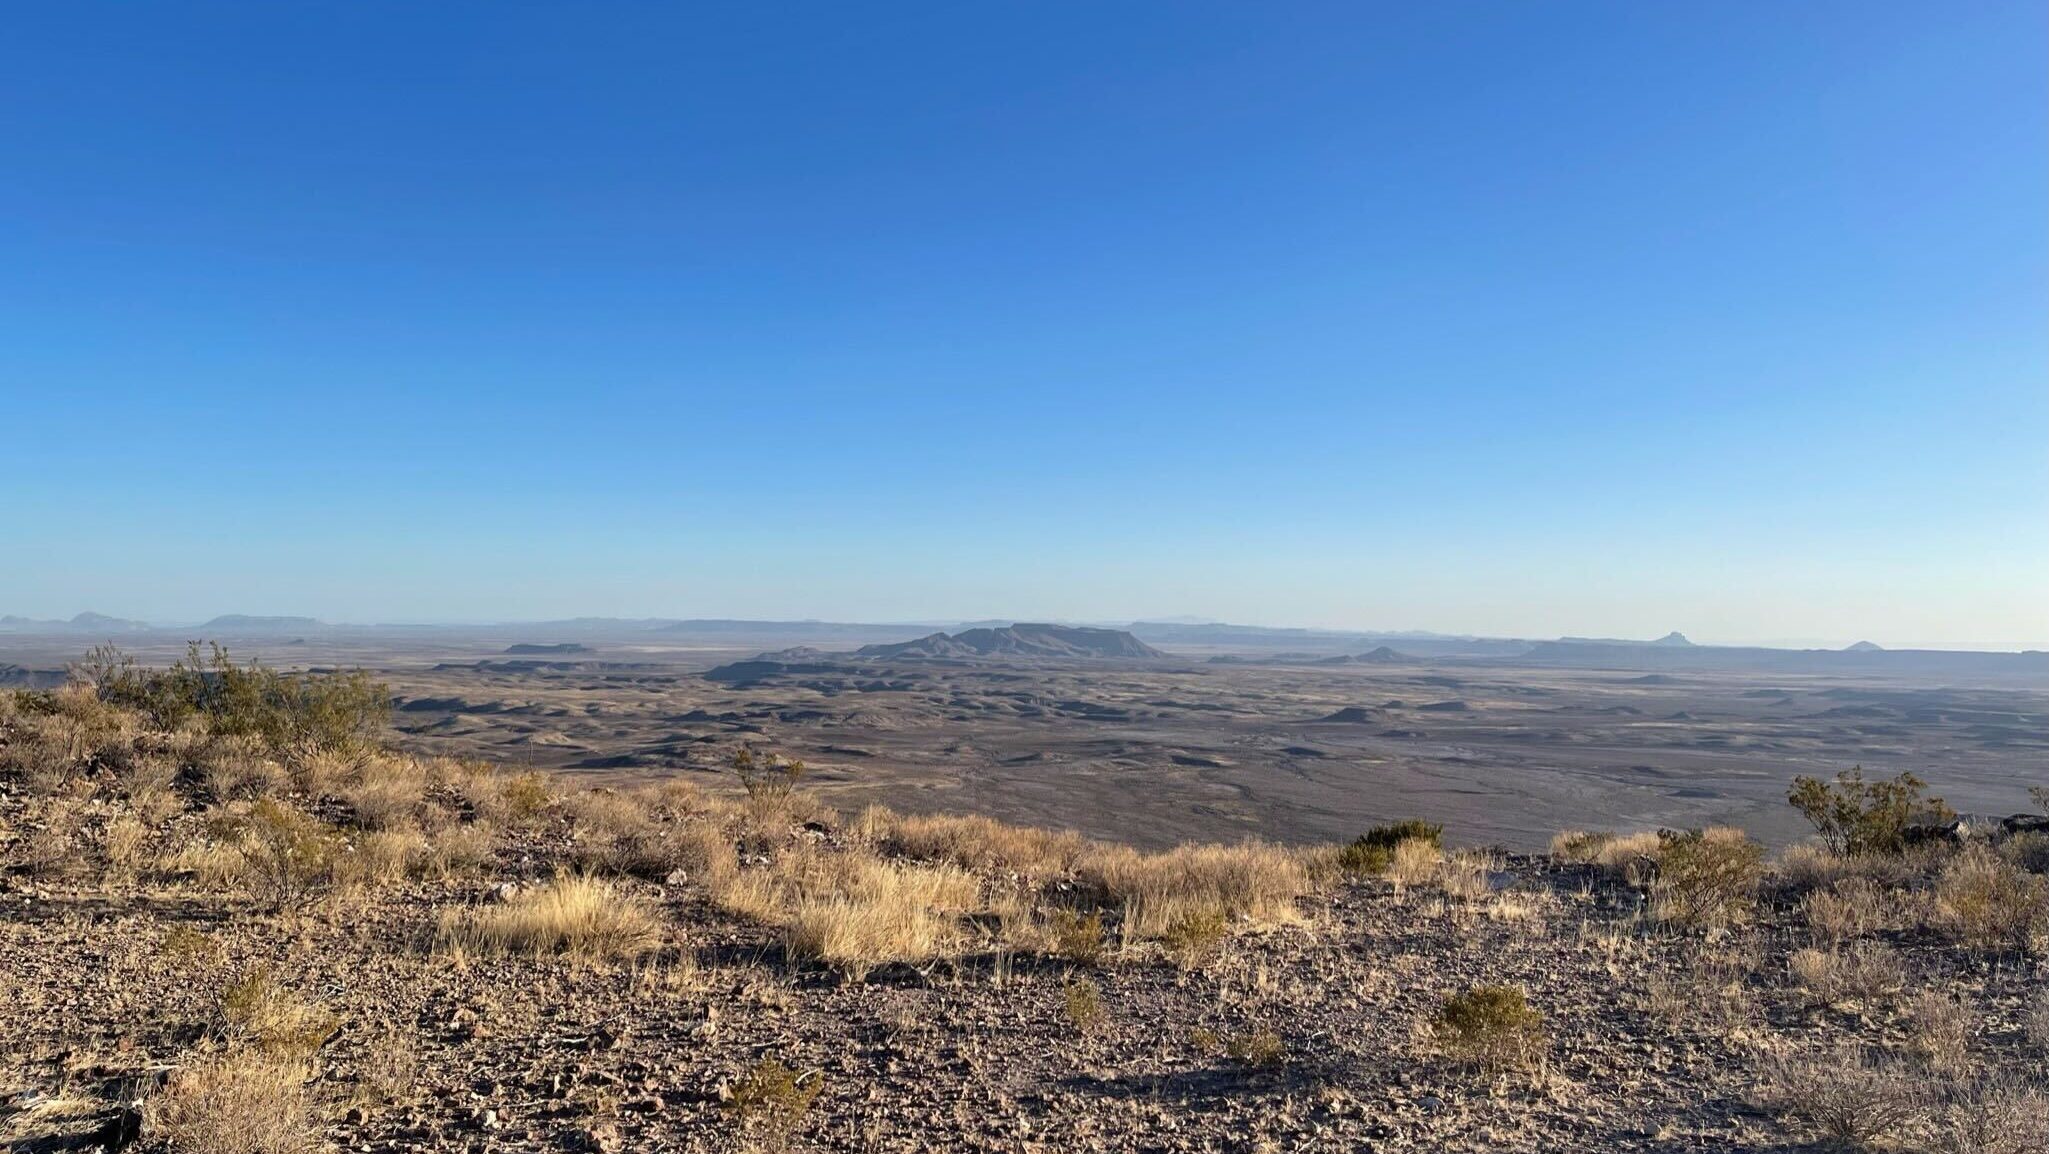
[
  {"x": 580, "y": 916},
  {"x": 1855, "y": 816},
  {"x": 774, "y": 1099},
  {"x": 1986, "y": 904},
  {"x": 237, "y": 1103},
  {"x": 1706, "y": 878},
  {"x": 1372, "y": 852},
  {"x": 398, "y": 932},
  {"x": 1082, "y": 998},
  {"x": 1493, "y": 1027}
]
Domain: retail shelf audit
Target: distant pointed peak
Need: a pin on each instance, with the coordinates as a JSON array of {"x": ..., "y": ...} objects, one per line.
[{"x": 1674, "y": 638}]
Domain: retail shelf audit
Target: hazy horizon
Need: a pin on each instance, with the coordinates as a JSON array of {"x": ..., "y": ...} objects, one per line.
[
  {"x": 1607, "y": 320},
  {"x": 939, "y": 622}
]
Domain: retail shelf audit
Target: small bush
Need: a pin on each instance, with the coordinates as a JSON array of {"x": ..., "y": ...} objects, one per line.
[
  {"x": 256, "y": 1010},
  {"x": 290, "y": 857},
  {"x": 1083, "y": 1001},
  {"x": 1077, "y": 938},
  {"x": 1260, "y": 1049},
  {"x": 1983, "y": 903},
  {"x": 1195, "y": 935},
  {"x": 239, "y": 1103},
  {"x": 328, "y": 710},
  {"x": 1706, "y": 878},
  {"x": 768, "y": 779},
  {"x": 774, "y": 1098},
  {"x": 1854, "y": 816},
  {"x": 1846, "y": 1097},
  {"x": 1372, "y": 852},
  {"x": 1492, "y": 1027}
]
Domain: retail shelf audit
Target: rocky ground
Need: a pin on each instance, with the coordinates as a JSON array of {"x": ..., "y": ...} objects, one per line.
[{"x": 1868, "y": 1014}]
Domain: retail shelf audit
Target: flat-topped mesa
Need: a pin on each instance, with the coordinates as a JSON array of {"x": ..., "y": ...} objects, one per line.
[{"x": 1022, "y": 640}]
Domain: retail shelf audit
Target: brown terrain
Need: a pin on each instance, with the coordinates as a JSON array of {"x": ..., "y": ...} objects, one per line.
[{"x": 259, "y": 918}]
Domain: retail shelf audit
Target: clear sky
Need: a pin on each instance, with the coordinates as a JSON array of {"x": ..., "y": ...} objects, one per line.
[{"x": 1519, "y": 319}]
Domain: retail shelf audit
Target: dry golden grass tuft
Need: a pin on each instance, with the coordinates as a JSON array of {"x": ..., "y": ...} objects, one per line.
[
  {"x": 1413, "y": 863},
  {"x": 1985, "y": 903},
  {"x": 1845, "y": 1097},
  {"x": 974, "y": 843},
  {"x": 1939, "y": 1032},
  {"x": 579, "y": 916},
  {"x": 1252, "y": 881},
  {"x": 1865, "y": 976},
  {"x": 257, "y": 1011},
  {"x": 1992, "y": 1116},
  {"x": 870, "y": 912},
  {"x": 1611, "y": 851},
  {"x": 239, "y": 1103},
  {"x": 1850, "y": 908}
]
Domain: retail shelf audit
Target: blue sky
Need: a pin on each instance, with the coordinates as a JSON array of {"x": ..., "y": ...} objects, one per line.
[{"x": 1518, "y": 319}]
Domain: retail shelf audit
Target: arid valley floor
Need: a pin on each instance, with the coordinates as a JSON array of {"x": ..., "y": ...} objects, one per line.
[
  {"x": 537, "y": 908},
  {"x": 1155, "y": 752}
]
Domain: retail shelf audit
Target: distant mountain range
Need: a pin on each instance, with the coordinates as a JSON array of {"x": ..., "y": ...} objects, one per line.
[
  {"x": 1021, "y": 640},
  {"x": 87, "y": 622}
]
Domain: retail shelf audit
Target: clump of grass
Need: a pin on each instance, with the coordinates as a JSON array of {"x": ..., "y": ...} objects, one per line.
[
  {"x": 1414, "y": 862},
  {"x": 874, "y": 912},
  {"x": 1852, "y": 908},
  {"x": 1845, "y": 1097},
  {"x": 237, "y": 1103},
  {"x": 256, "y": 1010},
  {"x": 1082, "y": 998},
  {"x": 1865, "y": 975},
  {"x": 1195, "y": 936},
  {"x": 1992, "y": 1116},
  {"x": 579, "y": 916},
  {"x": 1491, "y": 1027},
  {"x": 1078, "y": 937},
  {"x": 1984, "y": 903},
  {"x": 774, "y": 1099},
  {"x": 1252, "y": 881},
  {"x": 1372, "y": 852},
  {"x": 974, "y": 842},
  {"x": 1610, "y": 851},
  {"x": 1706, "y": 878},
  {"x": 1939, "y": 1030}
]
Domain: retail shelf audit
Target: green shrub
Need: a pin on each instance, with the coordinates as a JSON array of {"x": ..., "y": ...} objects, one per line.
[
  {"x": 1492, "y": 1027},
  {"x": 1854, "y": 816},
  {"x": 1195, "y": 935},
  {"x": 1077, "y": 938},
  {"x": 775, "y": 1098},
  {"x": 1083, "y": 1000},
  {"x": 328, "y": 710},
  {"x": 1706, "y": 877},
  {"x": 1373, "y": 851},
  {"x": 768, "y": 779},
  {"x": 291, "y": 856}
]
